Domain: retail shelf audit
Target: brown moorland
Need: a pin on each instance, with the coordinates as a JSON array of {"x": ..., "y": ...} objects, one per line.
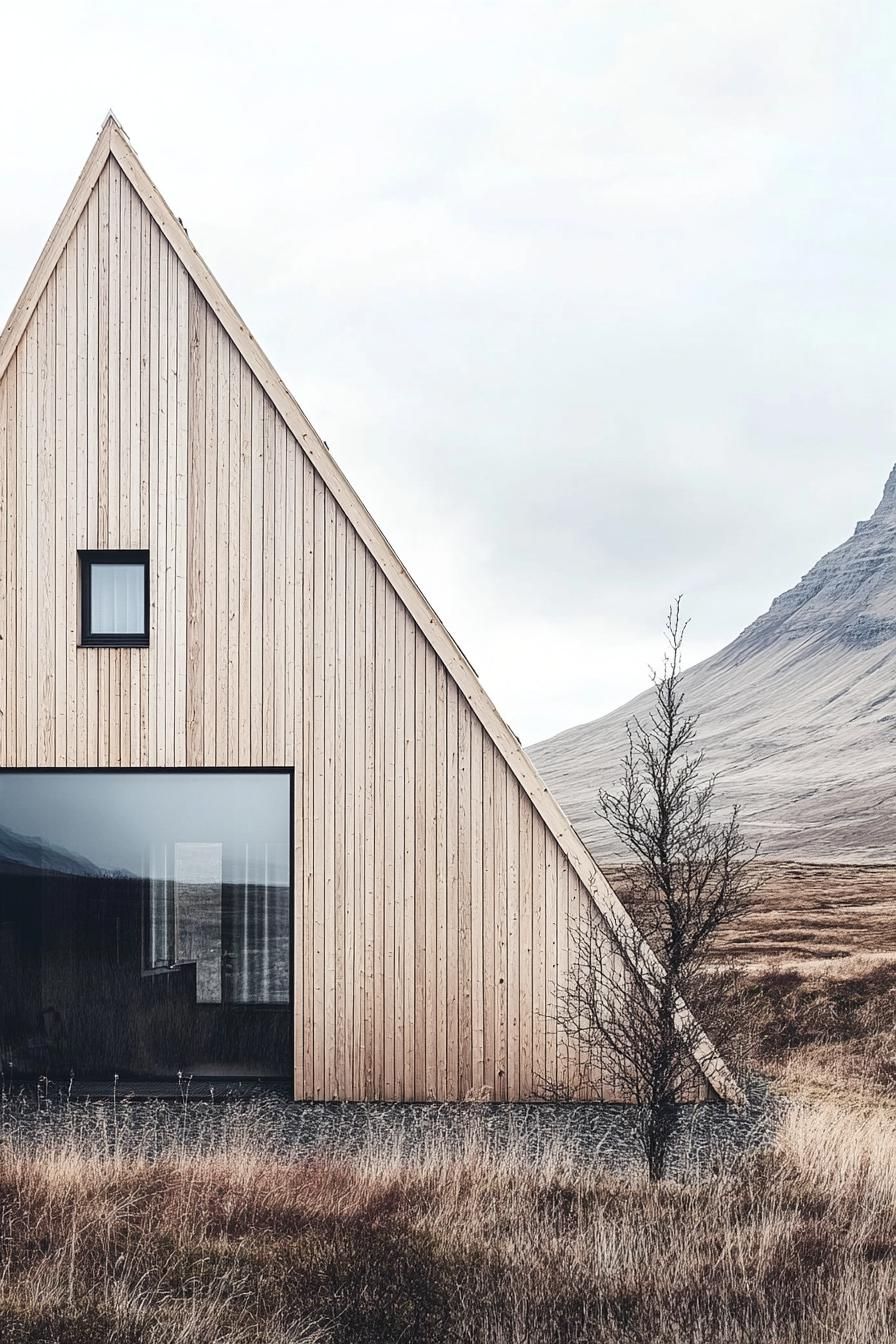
[{"x": 811, "y": 910}]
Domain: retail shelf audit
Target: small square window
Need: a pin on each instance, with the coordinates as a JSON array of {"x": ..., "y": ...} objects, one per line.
[{"x": 115, "y": 598}]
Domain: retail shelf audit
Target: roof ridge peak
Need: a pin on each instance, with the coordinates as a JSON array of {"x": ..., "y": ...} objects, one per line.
[{"x": 111, "y": 120}]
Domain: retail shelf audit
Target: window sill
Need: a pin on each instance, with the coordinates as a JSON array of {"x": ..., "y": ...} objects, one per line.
[{"x": 113, "y": 642}]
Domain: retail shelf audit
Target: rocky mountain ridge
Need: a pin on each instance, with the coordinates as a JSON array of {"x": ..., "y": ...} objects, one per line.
[{"x": 797, "y": 715}]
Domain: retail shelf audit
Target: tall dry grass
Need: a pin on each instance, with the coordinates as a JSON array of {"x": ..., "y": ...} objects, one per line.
[
  {"x": 171, "y": 1232},
  {"x": 825, "y": 1028},
  {"x": 117, "y": 1237}
]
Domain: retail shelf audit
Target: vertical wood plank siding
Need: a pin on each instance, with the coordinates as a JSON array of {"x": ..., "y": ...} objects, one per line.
[{"x": 431, "y": 902}]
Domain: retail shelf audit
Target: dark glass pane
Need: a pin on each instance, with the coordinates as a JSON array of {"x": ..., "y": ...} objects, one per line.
[{"x": 145, "y": 924}]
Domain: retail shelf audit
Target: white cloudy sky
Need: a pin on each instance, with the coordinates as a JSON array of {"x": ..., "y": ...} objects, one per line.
[{"x": 594, "y": 302}]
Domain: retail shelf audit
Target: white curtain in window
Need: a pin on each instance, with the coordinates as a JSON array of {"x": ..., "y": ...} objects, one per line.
[
  {"x": 116, "y": 599},
  {"x": 160, "y": 943}
]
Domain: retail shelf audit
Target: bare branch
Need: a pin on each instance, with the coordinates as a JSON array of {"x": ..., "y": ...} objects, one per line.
[{"x": 690, "y": 877}]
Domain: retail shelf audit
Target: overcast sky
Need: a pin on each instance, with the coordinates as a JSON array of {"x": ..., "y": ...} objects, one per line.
[{"x": 594, "y": 303}]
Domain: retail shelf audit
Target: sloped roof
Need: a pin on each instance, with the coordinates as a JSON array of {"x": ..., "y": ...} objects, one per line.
[{"x": 112, "y": 140}]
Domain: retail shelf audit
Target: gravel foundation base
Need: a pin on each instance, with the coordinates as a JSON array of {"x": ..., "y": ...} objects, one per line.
[{"x": 709, "y": 1135}]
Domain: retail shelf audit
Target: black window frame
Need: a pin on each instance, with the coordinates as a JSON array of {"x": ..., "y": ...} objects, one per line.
[
  {"x": 94, "y": 639},
  {"x": 290, "y": 772}
]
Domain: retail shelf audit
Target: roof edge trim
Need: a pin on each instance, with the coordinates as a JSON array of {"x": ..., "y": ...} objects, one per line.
[{"x": 62, "y": 230}]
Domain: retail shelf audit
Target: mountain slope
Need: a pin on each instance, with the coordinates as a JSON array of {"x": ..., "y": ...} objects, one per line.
[
  {"x": 797, "y": 715},
  {"x": 25, "y": 854}
]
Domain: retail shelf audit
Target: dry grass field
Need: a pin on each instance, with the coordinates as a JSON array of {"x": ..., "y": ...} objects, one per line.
[
  {"x": 812, "y": 910},
  {"x": 819, "y": 954},
  {"x": 111, "y": 1235},
  {"x": 806, "y": 910}
]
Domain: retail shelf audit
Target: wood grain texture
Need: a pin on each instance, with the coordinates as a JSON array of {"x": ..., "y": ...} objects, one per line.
[{"x": 432, "y": 897}]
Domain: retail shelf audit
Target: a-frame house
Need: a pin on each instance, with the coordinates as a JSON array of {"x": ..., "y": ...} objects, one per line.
[{"x": 257, "y": 815}]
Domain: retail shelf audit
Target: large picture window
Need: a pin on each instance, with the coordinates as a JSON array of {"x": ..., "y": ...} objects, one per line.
[
  {"x": 115, "y": 598},
  {"x": 145, "y": 923}
]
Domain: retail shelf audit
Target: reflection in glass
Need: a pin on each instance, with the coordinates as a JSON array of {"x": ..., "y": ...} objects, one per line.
[
  {"x": 145, "y": 923},
  {"x": 197, "y": 915}
]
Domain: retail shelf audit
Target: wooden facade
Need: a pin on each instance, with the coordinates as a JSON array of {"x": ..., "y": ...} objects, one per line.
[{"x": 435, "y": 878}]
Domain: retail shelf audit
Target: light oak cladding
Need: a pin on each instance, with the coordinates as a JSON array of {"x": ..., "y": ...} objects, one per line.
[{"x": 433, "y": 902}]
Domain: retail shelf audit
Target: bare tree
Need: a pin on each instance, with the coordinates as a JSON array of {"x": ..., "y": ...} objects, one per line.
[{"x": 625, "y": 1006}]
